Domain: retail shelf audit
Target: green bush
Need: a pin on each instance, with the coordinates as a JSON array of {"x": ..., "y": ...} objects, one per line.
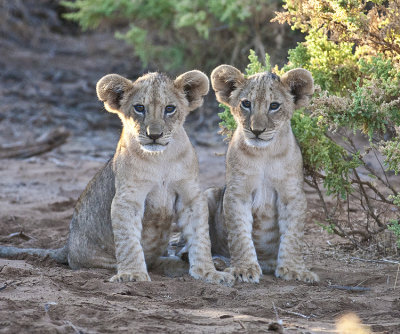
[
  {"x": 333, "y": 65},
  {"x": 189, "y": 33}
]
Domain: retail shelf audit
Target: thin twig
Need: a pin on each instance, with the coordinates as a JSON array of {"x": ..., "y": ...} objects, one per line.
[
  {"x": 296, "y": 313},
  {"x": 376, "y": 191},
  {"x": 350, "y": 288},
  {"x": 362, "y": 282},
  {"x": 278, "y": 320},
  {"x": 75, "y": 328},
  {"x": 370, "y": 209},
  {"x": 375, "y": 261},
  {"x": 390, "y": 261},
  {"x": 321, "y": 197},
  {"x": 383, "y": 170},
  {"x": 240, "y": 323},
  {"x": 20, "y": 234},
  {"x": 397, "y": 275},
  {"x": 376, "y": 174},
  {"x": 371, "y": 170}
]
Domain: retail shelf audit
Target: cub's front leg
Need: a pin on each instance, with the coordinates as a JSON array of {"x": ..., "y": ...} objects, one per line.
[
  {"x": 127, "y": 210},
  {"x": 192, "y": 213},
  {"x": 292, "y": 205},
  {"x": 239, "y": 222}
]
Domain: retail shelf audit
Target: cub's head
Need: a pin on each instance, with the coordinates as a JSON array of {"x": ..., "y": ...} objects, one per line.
[
  {"x": 154, "y": 106},
  {"x": 263, "y": 102}
]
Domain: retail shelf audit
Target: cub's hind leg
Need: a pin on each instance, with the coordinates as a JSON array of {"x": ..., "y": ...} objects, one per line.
[
  {"x": 155, "y": 239},
  {"x": 87, "y": 249},
  {"x": 104, "y": 261}
]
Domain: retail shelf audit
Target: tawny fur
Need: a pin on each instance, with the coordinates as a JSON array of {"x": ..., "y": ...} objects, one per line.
[
  {"x": 258, "y": 218},
  {"x": 123, "y": 218}
]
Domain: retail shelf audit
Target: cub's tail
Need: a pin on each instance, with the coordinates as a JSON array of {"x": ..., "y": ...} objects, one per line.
[{"x": 59, "y": 254}]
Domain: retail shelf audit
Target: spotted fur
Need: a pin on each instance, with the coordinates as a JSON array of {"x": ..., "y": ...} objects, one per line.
[{"x": 258, "y": 218}]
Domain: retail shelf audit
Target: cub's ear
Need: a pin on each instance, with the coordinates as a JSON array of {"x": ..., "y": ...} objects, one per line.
[
  {"x": 195, "y": 85},
  {"x": 110, "y": 89},
  {"x": 300, "y": 84},
  {"x": 224, "y": 80}
]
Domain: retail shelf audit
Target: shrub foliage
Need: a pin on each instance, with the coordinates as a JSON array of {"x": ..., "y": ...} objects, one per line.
[{"x": 171, "y": 34}]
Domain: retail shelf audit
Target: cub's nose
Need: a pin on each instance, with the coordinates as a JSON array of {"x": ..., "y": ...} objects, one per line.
[
  {"x": 257, "y": 132},
  {"x": 154, "y": 136}
]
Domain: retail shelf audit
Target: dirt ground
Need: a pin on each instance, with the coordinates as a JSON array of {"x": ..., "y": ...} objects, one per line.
[{"x": 47, "y": 79}]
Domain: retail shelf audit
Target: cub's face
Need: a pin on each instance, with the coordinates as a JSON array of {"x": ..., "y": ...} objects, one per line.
[
  {"x": 263, "y": 102},
  {"x": 154, "y": 106}
]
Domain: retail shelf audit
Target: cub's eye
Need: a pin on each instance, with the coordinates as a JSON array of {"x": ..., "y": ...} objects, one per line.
[
  {"x": 139, "y": 108},
  {"x": 246, "y": 104},
  {"x": 274, "y": 106},
  {"x": 170, "y": 110}
]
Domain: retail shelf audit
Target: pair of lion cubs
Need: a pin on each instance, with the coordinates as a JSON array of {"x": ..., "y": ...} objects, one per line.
[{"x": 123, "y": 218}]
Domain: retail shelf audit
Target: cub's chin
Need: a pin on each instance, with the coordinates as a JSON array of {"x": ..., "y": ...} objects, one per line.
[
  {"x": 258, "y": 143},
  {"x": 154, "y": 148}
]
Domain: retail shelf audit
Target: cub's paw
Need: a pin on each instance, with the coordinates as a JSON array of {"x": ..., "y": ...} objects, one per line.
[
  {"x": 130, "y": 276},
  {"x": 296, "y": 274},
  {"x": 212, "y": 276},
  {"x": 246, "y": 273}
]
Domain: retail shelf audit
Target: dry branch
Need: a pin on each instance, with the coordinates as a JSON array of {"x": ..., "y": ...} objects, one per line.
[
  {"x": 350, "y": 288},
  {"x": 45, "y": 143},
  {"x": 296, "y": 313},
  {"x": 20, "y": 234},
  {"x": 375, "y": 261}
]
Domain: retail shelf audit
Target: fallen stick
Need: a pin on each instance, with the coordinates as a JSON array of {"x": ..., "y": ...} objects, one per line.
[
  {"x": 20, "y": 234},
  {"x": 45, "y": 143},
  {"x": 296, "y": 313},
  {"x": 350, "y": 288},
  {"x": 240, "y": 323},
  {"x": 375, "y": 261}
]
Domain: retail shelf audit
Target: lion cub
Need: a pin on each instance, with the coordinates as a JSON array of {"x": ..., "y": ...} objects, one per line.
[
  {"x": 258, "y": 218},
  {"x": 123, "y": 218}
]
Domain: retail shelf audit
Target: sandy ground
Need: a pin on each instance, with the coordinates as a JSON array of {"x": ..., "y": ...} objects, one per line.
[
  {"x": 49, "y": 81},
  {"x": 37, "y": 198}
]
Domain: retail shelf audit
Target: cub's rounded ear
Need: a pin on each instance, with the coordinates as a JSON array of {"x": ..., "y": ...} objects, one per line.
[
  {"x": 110, "y": 89},
  {"x": 300, "y": 84},
  {"x": 195, "y": 85},
  {"x": 224, "y": 80}
]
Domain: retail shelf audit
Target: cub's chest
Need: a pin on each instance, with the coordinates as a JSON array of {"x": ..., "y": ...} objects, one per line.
[
  {"x": 263, "y": 196},
  {"x": 161, "y": 197}
]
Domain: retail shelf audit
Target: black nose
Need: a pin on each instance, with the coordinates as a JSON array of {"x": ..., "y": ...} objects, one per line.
[
  {"x": 154, "y": 136},
  {"x": 257, "y": 132}
]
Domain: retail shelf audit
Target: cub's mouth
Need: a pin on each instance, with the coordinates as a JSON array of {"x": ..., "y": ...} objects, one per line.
[
  {"x": 258, "y": 142},
  {"x": 154, "y": 146}
]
